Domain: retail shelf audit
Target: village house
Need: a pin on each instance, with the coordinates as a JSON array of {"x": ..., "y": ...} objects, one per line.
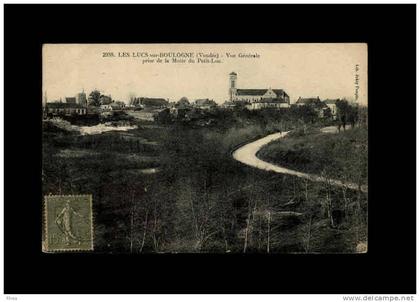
[
  {"x": 321, "y": 108},
  {"x": 70, "y": 100},
  {"x": 156, "y": 103},
  {"x": 263, "y": 102},
  {"x": 332, "y": 104},
  {"x": 180, "y": 108},
  {"x": 117, "y": 105},
  {"x": 308, "y": 101},
  {"x": 257, "y": 98},
  {"x": 66, "y": 109},
  {"x": 205, "y": 104}
]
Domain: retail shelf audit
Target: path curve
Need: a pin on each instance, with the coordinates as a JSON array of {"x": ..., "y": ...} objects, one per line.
[{"x": 247, "y": 155}]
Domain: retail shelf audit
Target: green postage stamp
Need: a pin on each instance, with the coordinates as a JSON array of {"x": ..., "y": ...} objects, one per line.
[{"x": 68, "y": 223}]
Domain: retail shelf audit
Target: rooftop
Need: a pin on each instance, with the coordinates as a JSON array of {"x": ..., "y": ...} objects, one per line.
[
  {"x": 330, "y": 101},
  {"x": 204, "y": 102},
  {"x": 64, "y": 105},
  {"x": 272, "y": 100},
  {"x": 260, "y": 92}
]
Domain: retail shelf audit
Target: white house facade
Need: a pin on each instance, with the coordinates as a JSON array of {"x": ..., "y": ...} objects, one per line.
[{"x": 255, "y": 99}]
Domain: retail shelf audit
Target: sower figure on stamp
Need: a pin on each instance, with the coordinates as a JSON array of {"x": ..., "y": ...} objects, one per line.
[{"x": 64, "y": 222}]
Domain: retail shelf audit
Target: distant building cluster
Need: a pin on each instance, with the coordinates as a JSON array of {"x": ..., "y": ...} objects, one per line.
[
  {"x": 324, "y": 108},
  {"x": 152, "y": 108},
  {"x": 321, "y": 107},
  {"x": 65, "y": 109},
  {"x": 256, "y": 99},
  {"x": 71, "y": 106},
  {"x": 80, "y": 105}
]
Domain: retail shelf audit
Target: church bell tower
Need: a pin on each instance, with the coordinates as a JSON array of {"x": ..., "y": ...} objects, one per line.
[{"x": 232, "y": 85}]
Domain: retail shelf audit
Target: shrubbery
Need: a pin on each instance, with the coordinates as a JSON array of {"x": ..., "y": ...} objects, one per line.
[
  {"x": 202, "y": 200},
  {"x": 341, "y": 156}
]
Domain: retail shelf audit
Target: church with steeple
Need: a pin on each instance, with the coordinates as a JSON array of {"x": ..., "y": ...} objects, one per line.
[{"x": 257, "y": 98}]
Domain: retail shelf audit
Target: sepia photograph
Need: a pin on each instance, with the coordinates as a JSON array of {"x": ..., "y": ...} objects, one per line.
[
  {"x": 205, "y": 148},
  {"x": 182, "y": 151}
]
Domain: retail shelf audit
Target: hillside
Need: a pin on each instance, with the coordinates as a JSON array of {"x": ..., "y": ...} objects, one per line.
[{"x": 340, "y": 156}]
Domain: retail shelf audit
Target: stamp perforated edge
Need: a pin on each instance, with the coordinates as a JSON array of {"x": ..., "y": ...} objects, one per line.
[{"x": 45, "y": 248}]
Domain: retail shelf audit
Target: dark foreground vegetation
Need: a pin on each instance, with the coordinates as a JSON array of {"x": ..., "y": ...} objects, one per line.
[{"x": 200, "y": 200}]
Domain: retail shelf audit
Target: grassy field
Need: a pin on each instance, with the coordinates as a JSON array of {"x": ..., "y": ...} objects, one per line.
[
  {"x": 340, "y": 156},
  {"x": 201, "y": 200}
]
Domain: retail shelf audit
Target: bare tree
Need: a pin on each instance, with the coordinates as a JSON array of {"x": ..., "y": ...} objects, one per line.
[
  {"x": 268, "y": 230},
  {"x": 248, "y": 221},
  {"x": 144, "y": 230},
  {"x": 132, "y": 221},
  {"x": 308, "y": 235}
]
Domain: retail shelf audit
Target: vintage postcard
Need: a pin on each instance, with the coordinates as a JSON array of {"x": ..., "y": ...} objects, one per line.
[{"x": 205, "y": 148}]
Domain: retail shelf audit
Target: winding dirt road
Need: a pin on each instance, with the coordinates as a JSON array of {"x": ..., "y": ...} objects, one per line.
[{"x": 247, "y": 155}]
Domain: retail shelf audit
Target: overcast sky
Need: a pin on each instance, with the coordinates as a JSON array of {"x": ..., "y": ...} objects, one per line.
[{"x": 307, "y": 70}]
